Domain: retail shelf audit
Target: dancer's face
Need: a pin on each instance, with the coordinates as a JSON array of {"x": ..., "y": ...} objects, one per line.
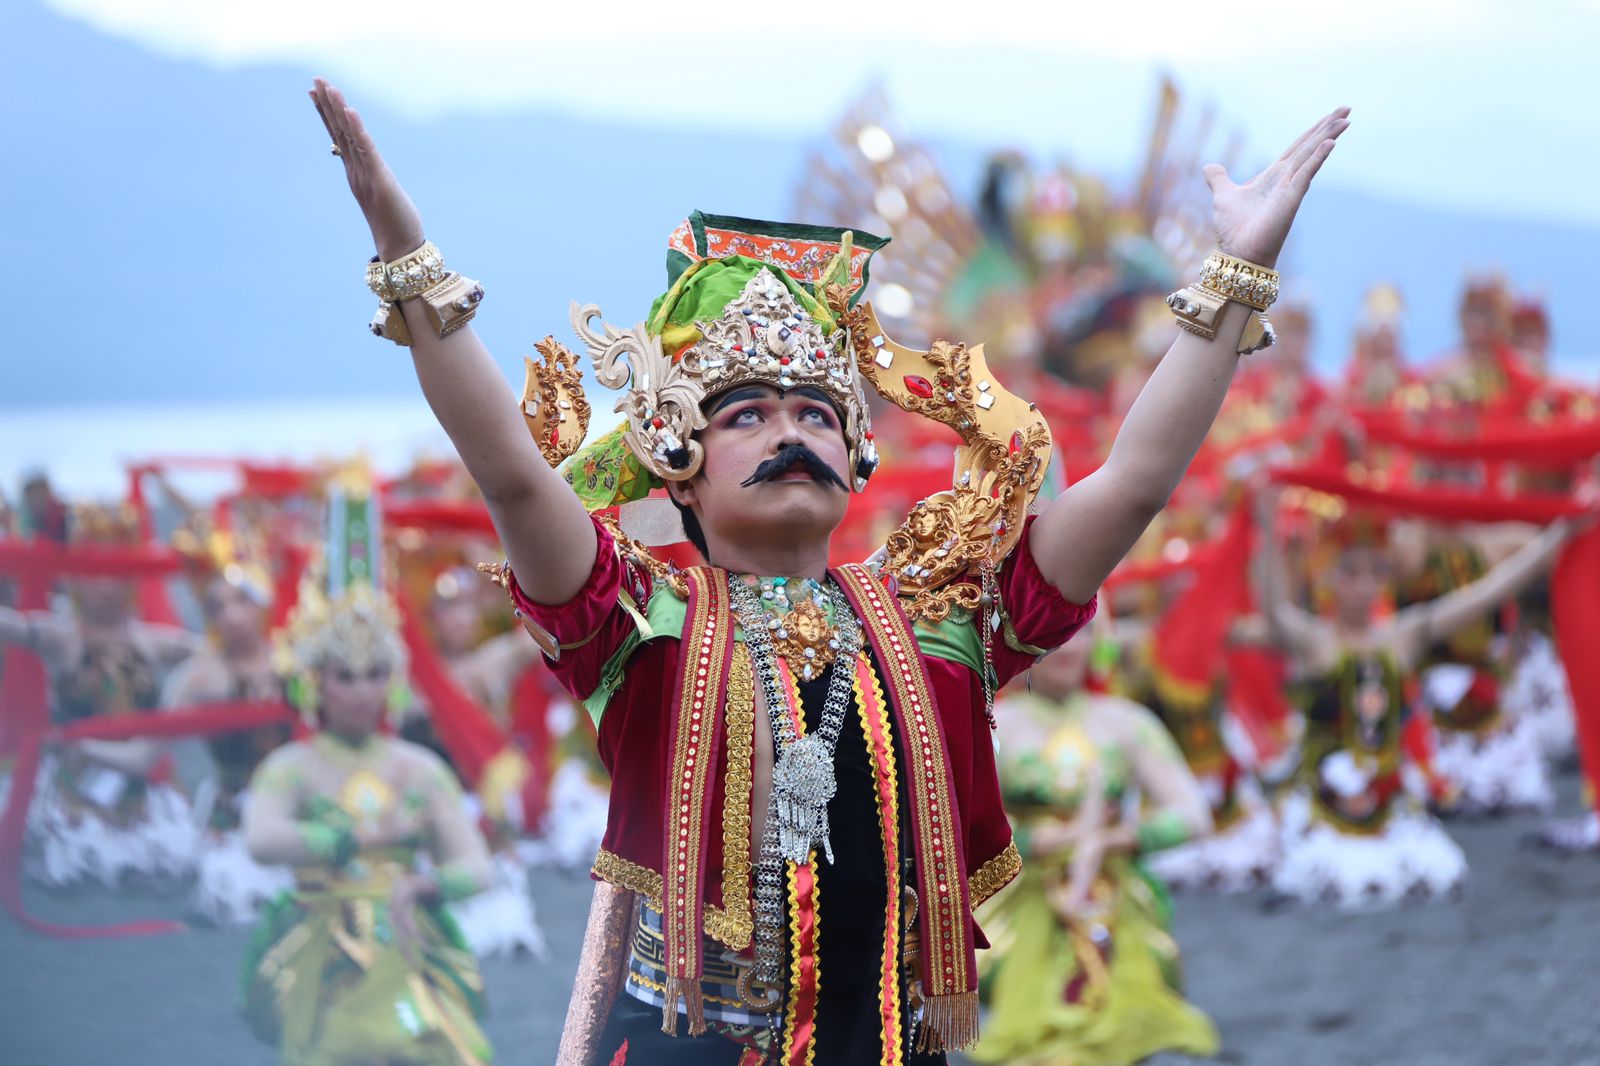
[
  {"x": 1534, "y": 341},
  {"x": 1360, "y": 579},
  {"x": 353, "y": 700},
  {"x": 1062, "y": 672},
  {"x": 104, "y": 600},
  {"x": 455, "y": 623},
  {"x": 232, "y": 614},
  {"x": 1383, "y": 347},
  {"x": 1479, "y": 328},
  {"x": 748, "y": 426}
]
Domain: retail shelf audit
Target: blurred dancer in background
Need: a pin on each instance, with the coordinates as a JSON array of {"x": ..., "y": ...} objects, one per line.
[
  {"x": 362, "y": 962},
  {"x": 1083, "y": 968}
]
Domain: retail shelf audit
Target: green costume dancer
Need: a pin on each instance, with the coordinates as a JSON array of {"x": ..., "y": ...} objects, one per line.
[
  {"x": 1084, "y": 971},
  {"x": 361, "y": 963}
]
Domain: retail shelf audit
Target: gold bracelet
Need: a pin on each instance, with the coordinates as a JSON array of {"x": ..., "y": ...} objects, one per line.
[
  {"x": 1224, "y": 279},
  {"x": 407, "y": 277},
  {"x": 1239, "y": 280}
]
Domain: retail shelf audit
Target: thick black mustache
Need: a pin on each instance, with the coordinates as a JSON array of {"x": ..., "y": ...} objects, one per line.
[{"x": 791, "y": 456}]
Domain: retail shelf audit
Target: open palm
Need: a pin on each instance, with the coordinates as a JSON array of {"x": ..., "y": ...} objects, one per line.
[
  {"x": 1252, "y": 220},
  {"x": 395, "y": 222}
]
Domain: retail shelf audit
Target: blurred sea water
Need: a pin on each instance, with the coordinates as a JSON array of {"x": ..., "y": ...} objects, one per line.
[{"x": 86, "y": 449}]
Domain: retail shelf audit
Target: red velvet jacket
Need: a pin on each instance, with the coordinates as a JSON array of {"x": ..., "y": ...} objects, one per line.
[{"x": 621, "y": 640}]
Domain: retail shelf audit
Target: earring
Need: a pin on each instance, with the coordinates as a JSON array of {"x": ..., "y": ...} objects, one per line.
[{"x": 303, "y": 696}]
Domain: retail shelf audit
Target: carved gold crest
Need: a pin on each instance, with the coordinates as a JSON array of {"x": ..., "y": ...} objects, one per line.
[{"x": 999, "y": 466}]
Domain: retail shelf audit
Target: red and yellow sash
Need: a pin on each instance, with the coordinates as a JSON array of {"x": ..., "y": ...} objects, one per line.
[
  {"x": 949, "y": 971},
  {"x": 704, "y": 667},
  {"x": 949, "y": 965}
]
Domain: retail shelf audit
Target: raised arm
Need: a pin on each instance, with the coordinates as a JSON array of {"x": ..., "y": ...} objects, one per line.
[
  {"x": 1289, "y": 627},
  {"x": 542, "y": 526},
  {"x": 1418, "y": 626},
  {"x": 40, "y": 632},
  {"x": 1088, "y": 529}
]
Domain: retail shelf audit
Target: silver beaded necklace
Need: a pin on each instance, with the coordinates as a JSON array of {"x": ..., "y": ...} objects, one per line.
[{"x": 803, "y": 778}]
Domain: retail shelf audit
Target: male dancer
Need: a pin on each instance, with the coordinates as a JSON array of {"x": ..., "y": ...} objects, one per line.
[{"x": 804, "y": 808}]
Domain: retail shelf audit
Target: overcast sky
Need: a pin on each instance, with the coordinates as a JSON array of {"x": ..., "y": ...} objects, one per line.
[{"x": 1471, "y": 104}]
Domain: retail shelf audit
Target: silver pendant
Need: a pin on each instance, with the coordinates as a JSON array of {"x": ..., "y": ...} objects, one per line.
[{"x": 803, "y": 782}]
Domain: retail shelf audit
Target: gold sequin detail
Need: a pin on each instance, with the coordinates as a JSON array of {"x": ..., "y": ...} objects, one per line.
[
  {"x": 733, "y": 924},
  {"x": 995, "y": 874}
]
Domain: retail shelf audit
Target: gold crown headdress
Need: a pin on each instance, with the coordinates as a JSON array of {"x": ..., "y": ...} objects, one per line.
[
  {"x": 744, "y": 305},
  {"x": 1383, "y": 307},
  {"x": 780, "y": 306},
  {"x": 342, "y": 614},
  {"x": 106, "y": 525},
  {"x": 221, "y": 553}
]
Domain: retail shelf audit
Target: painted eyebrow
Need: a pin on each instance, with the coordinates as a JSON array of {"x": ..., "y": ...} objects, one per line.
[
  {"x": 761, "y": 392},
  {"x": 738, "y": 396}
]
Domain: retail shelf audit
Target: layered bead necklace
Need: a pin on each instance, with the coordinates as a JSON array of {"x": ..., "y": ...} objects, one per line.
[{"x": 803, "y": 778}]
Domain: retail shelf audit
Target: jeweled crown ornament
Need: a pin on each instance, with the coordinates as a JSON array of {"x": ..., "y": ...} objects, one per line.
[
  {"x": 744, "y": 306},
  {"x": 342, "y": 615}
]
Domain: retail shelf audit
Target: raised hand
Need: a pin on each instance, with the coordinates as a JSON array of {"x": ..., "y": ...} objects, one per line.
[
  {"x": 394, "y": 220},
  {"x": 1252, "y": 220}
]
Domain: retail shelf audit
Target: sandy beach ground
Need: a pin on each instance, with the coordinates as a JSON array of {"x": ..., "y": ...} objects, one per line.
[{"x": 1510, "y": 974}]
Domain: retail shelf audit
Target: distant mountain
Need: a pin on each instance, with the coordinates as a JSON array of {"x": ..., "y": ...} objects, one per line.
[{"x": 179, "y": 233}]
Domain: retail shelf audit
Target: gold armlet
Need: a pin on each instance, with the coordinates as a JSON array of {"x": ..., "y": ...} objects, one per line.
[
  {"x": 937, "y": 556},
  {"x": 553, "y": 404}
]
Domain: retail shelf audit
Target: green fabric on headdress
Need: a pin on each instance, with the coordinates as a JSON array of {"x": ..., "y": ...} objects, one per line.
[
  {"x": 710, "y": 259},
  {"x": 607, "y": 472},
  {"x": 807, "y": 258},
  {"x": 704, "y": 291}
]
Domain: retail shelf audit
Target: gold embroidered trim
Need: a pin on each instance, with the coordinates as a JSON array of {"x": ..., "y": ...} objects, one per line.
[
  {"x": 615, "y": 870},
  {"x": 707, "y": 635},
  {"x": 995, "y": 874},
  {"x": 733, "y": 925}
]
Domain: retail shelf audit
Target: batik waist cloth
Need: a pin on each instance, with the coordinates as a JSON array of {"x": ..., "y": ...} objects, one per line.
[{"x": 732, "y": 993}]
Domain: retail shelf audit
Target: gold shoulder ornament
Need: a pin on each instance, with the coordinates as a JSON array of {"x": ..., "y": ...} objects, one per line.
[
  {"x": 968, "y": 530},
  {"x": 553, "y": 403},
  {"x": 941, "y": 556}
]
